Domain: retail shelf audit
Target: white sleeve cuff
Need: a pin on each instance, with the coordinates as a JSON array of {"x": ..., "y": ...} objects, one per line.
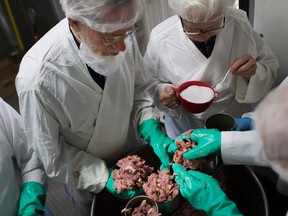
[{"x": 243, "y": 148}]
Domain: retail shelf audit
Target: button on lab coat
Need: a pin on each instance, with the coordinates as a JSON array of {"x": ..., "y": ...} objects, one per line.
[
  {"x": 173, "y": 59},
  {"x": 18, "y": 162},
  {"x": 74, "y": 125}
]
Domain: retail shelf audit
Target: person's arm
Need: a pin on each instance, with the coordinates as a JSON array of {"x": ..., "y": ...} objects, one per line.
[
  {"x": 203, "y": 192},
  {"x": 152, "y": 132},
  {"x": 33, "y": 178},
  {"x": 125, "y": 194},
  {"x": 243, "y": 124},
  {"x": 149, "y": 127},
  {"x": 235, "y": 147},
  {"x": 151, "y": 58},
  {"x": 242, "y": 148},
  {"x": 266, "y": 62},
  {"x": 63, "y": 163}
]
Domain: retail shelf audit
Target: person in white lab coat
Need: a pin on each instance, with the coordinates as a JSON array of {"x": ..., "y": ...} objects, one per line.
[
  {"x": 83, "y": 94},
  {"x": 22, "y": 175},
  {"x": 267, "y": 145},
  {"x": 201, "y": 42}
]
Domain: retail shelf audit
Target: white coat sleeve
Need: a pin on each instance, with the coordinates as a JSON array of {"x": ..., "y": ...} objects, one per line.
[
  {"x": 151, "y": 59},
  {"x": 63, "y": 163},
  {"x": 243, "y": 148},
  {"x": 266, "y": 72},
  {"x": 30, "y": 166}
]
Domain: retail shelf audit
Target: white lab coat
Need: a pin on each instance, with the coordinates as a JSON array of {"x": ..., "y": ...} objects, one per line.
[
  {"x": 73, "y": 124},
  {"x": 173, "y": 59},
  {"x": 18, "y": 161},
  {"x": 244, "y": 147}
]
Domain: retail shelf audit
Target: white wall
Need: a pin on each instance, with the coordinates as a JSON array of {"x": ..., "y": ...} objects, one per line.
[
  {"x": 271, "y": 20},
  {"x": 155, "y": 11}
]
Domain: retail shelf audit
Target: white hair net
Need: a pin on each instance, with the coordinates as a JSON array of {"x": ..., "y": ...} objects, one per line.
[
  {"x": 271, "y": 122},
  {"x": 200, "y": 11},
  {"x": 103, "y": 15}
]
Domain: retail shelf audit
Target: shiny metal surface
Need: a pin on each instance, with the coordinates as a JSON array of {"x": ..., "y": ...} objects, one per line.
[{"x": 136, "y": 201}]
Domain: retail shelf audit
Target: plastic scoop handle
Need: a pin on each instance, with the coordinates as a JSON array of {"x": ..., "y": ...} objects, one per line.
[
  {"x": 219, "y": 85},
  {"x": 225, "y": 76}
]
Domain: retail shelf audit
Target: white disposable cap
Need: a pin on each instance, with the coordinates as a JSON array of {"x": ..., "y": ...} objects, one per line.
[
  {"x": 103, "y": 15},
  {"x": 200, "y": 11}
]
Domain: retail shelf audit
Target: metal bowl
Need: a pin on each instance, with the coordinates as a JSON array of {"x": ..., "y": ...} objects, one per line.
[{"x": 136, "y": 201}]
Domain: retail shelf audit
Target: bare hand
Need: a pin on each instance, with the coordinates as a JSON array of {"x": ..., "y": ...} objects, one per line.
[
  {"x": 169, "y": 98},
  {"x": 244, "y": 66}
]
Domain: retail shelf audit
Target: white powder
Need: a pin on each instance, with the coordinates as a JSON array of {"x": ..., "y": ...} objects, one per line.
[{"x": 197, "y": 94}]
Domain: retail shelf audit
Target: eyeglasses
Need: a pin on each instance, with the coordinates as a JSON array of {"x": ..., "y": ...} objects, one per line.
[
  {"x": 115, "y": 38},
  {"x": 198, "y": 32}
]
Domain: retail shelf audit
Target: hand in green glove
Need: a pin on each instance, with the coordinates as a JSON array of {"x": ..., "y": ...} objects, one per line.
[
  {"x": 208, "y": 142},
  {"x": 32, "y": 200},
  {"x": 151, "y": 131},
  {"x": 126, "y": 194},
  {"x": 203, "y": 192},
  {"x": 182, "y": 137}
]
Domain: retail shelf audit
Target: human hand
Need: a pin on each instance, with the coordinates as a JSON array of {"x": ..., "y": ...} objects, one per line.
[
  {"x": 169, "y": 98},
  {"x": 243, "y": 124},
  {"x": 203, "y": 192},
  {"x": 153, "y": 133},
  {"x": 208, "y": 142},
  {"x": 173, "y": 146},
  {"x": 244, "y": 66},
  {"x": 32, "y": 199},
  {"x": 125, "y": 194}
]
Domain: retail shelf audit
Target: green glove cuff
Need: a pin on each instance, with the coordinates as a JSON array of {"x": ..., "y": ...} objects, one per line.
[
  {"x": 126, "y": 194},
  {"x": 32, "y": 199},
  {"x": 151, "y": 131}
]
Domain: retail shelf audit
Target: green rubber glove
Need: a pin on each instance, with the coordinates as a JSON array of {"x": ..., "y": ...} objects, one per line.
[
  {"x": 209, "y": 142},
  {"x": 126, "y": 194},
  {"x": 151, "y": 131},
  {"x": 184, "y": 136},
  {"x": 32, "y": 199},
  {"x": 203, "y": 192}
]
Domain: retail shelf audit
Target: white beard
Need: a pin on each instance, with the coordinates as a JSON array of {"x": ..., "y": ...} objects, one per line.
[{"x": 104, "y": 65}]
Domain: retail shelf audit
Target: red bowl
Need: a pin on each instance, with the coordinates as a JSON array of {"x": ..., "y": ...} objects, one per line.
[{"x": 199, "y": 106}]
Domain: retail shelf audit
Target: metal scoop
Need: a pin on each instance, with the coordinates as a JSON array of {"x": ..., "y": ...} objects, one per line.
[{"x": 219, "y": 86}]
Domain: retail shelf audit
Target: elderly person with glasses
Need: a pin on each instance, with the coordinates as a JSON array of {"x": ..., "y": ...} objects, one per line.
[
  {"x": 83, "y": 96},
  {"x": 202, "y": 42},
  {"x": 265, "y": 146}
]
